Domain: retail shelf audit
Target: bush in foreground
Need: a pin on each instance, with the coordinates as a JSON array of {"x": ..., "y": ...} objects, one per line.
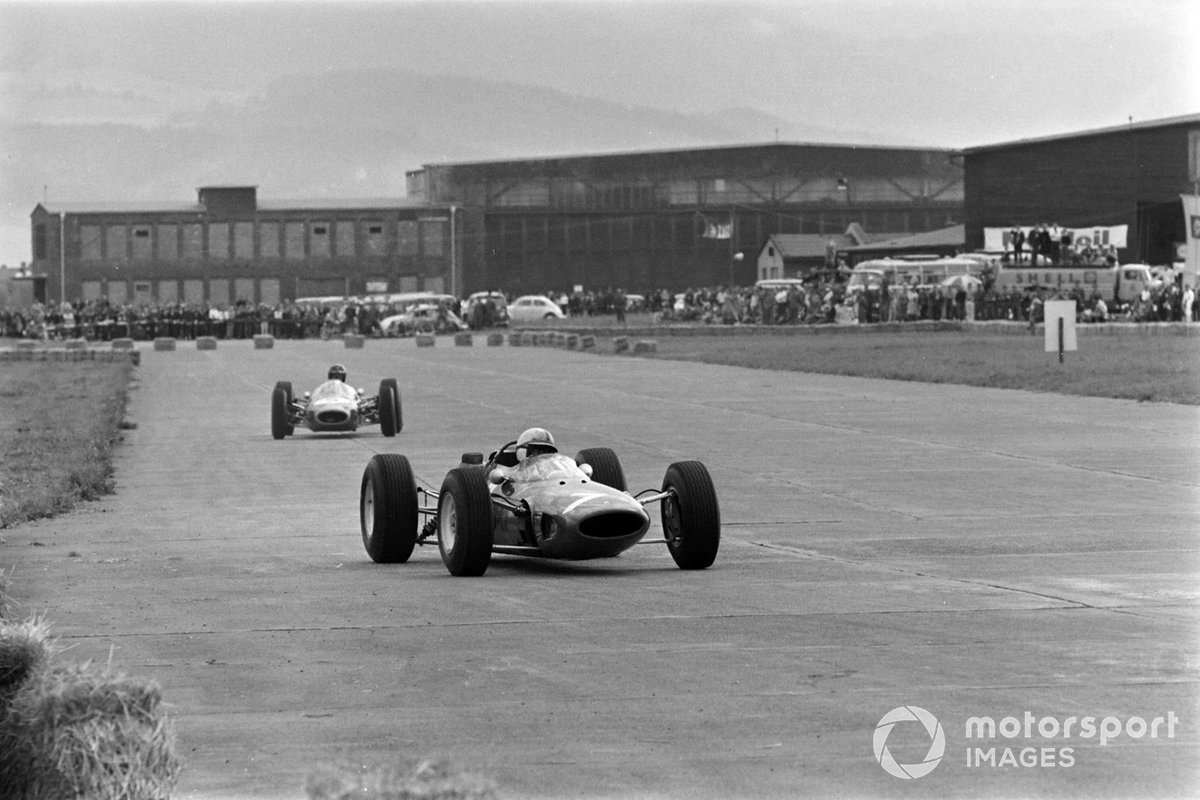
[{"x": 78, "y": 730}]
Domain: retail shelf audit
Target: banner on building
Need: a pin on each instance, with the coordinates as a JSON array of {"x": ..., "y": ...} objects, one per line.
[
  {"x": 716, "y": 229},
  {"x": 1191, "y": 218},
  {"x": 1095, "y": 236}
]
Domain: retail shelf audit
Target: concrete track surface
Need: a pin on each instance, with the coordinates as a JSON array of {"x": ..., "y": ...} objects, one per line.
[{"x": 974, "y": 553}]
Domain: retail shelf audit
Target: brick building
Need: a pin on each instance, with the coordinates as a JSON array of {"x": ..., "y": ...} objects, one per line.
[{"x": 229, "y": 247}]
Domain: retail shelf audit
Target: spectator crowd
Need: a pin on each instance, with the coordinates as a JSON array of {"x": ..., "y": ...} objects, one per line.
[{"x": 812, "y": 303}]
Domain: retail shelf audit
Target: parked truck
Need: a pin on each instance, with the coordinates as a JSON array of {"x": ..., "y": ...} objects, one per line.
[{"x": 1120, "y": 284}]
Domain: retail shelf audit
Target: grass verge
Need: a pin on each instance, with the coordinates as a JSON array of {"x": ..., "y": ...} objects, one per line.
[
  {"x": 1131, "y": 366},
  {"x": 59, "y": 422}
]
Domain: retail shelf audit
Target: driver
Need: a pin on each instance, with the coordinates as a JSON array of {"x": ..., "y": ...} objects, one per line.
[
  {"x": 535, "y": 442},
  {"x": 337, "y": 372}
]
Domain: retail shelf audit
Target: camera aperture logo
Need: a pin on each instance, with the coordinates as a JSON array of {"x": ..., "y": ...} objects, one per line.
[
  {"x": 937, "y": 742},
  {"x": 1027, "y": 740}
]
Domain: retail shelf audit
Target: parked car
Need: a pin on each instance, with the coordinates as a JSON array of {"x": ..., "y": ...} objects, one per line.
[
  {"x": 423, "y": 318},
  {"x": 499, "y": 304},
  {"x": 534, "y": 308}
]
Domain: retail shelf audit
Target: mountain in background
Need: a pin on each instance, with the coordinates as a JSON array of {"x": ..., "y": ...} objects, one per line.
[{"x": 343, "y": 134}]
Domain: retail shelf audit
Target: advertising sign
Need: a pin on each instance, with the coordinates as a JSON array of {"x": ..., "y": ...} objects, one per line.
[
  {"x": 1191, "y": 256},
  {"x": 1060, "y": 316},
  {"x": 1098, "y": 236}
]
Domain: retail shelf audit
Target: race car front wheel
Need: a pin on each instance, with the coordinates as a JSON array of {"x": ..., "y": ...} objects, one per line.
[
  {"x": 387, "y": 509},
  {"x": 606, "y": 467},
  {"x": 390, "y": 419},
  {"x": 465, "y": 522},
  {"x": 281, "y": 409},
  {"x": 691, "y": 518}
]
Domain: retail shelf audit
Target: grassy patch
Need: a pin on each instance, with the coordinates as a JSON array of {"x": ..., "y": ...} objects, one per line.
[
  {"x": 428, "y": 780},
  {"x": 1135, "y": 367},
  {"x": 59, "y": 422}
]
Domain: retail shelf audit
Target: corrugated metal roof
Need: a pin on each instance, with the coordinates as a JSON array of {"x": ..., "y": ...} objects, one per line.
[
  {"x": 684, "y": 150},
  {"x": 808, "y": 245},
  {"x": 954, "y": 236},
  {"x": 1187, "y": 119}
]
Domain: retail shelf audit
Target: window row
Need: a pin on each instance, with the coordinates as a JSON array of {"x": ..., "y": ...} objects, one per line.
[
  {"x": 225, "y": 292},
  {"x": 578, "y": 194},
  {"x": 223, "y": 241}
]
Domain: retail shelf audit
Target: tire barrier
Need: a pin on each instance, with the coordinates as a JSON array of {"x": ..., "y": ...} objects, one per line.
[
  {"x": 353, "y": 341},
  {"x": 645, "y": 346},
  {"x": 571, "y": 341},
  {"x": 464, "y": 340},
  {"x": 264, "y": 341},
  {"x": 621, "y": 344},
  {"x": 122, "y": 344},
  {"x": 587, "y": 342},
  {"x": 426, "y": 340},
  {"x": 206, "y": 343},
  {"x": 65, "y": 355},
  {"x": 495, "y": 339},
  {"x": 75, "y": 344},
  {"x": 164, "y": 343}
]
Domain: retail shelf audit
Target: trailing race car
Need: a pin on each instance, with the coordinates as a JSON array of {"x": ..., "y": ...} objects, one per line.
[
  {"x": 528, "y": 499},
  {"x": 335, "y": 406}
]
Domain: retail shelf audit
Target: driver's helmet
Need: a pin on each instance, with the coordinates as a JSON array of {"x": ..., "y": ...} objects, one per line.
[
  {"x": 535, "y": 442},
  {"x": 337, "y": 371}
]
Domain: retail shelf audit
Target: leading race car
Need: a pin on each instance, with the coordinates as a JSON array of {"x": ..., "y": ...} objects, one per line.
[
  {"x": 335, "y": 406},
  {"x": 528, "y": 499}
]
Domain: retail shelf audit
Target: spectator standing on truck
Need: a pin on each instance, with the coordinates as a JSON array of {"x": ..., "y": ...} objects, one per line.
[
  {"x": 1035, "y": 245},
  {"x": 1017, "y": 237}
]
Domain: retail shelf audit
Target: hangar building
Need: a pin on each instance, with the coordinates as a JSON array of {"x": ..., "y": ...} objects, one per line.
[
  {"x": 1129, "y": 175},
  {"x": 679, "y": 218}
]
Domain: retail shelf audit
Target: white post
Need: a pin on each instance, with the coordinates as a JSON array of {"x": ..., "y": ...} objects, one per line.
[
  {"x": 62, "y": 259},
  {"x": 453, "y": 255}
]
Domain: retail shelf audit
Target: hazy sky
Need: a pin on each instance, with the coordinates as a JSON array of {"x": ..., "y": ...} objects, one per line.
[{"x": 953, "y": 73}]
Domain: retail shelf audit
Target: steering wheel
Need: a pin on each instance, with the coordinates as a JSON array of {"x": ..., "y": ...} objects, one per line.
[{"x": 497, "y": 457}]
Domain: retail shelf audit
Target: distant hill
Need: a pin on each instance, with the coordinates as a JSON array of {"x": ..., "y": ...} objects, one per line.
[{"x": 337, "y": 134}]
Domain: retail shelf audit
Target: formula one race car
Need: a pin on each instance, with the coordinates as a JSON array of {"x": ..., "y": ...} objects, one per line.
[
  {"x": 335, "y": 406},
  {"x": 544, "y": 504}
]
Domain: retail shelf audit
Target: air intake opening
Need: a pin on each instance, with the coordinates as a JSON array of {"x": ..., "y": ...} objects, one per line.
[{"x": 612, "y": 525}]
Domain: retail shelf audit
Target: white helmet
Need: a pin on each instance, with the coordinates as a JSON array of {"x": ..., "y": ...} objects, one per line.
[{"x": 535, "y": 441}]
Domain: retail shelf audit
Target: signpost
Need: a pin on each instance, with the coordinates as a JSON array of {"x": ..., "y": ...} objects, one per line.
[{"x": 1060, "y": 327}]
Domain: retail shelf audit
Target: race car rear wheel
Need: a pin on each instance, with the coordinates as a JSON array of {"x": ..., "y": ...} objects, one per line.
[
  {"x": 281, "y": 409},
  {"x": 390, "y": 419},
  {"x": 691, "y": 517},
  {"x": 387, "y": 509},
  {"x": 465, "y": 521},
  {"x": 606, "y": 467}
]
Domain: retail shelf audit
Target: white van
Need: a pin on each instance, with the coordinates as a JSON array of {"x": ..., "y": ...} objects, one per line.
[{"x": 921, "y": 270}]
